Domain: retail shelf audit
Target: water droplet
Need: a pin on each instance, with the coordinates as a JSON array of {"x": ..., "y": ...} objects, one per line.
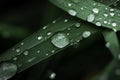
[
  {"x": 111, "y": 9},
  {"x": 115, "y": 30},
  {"x": 7, "y": 70},
  {"x": 95, "y": 10},
  {"x": 81, "y": 8},
  {"x": 68, "y": 34},
  {"x": 112, "y": 14},
  {"x": 53, "y": 51},
  {"x": 38, "y": 51},
  {"x": 105, "y": 22},
  {"x": 40, "y": 37},
  {"x": 114, "y": 24},
  {"x": 46, "y": 54},
  {"x": 68, "y": 28},
  {"x": 98, "y": 24},
  {"x": 119, "y": 56},
  {"x": 22, "y": 43},
  {"x": 72, "y": 12},
  {"x": 106, "y": 15},
  {"x": 60, "y": 40},
  {"x": 25, "y": 53},
  {"x": 69, "y": 4},
  {"x": 52, "y": 76},
  {"x": 86, "y": 34},
  {"x": 90, "y": 18},
  {"x": 44, "y": 27},
  {"x": 17, "y": 50},
  {"x": 66, "y": 20},
  {"x": 49, "y": 33},
  {"x": 30, "y": 60},
  {"x": 54, "y": 21},
  {"x": 77, "y": 24},
  {"x": 107, "y": 44},
  {"x": 15, "y": 58}
]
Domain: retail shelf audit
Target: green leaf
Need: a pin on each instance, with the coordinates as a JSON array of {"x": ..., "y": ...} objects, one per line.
[
  {"x": 112, "y": 42},
  {"x": 91, "y": 11},
  {"x": 34, "y": 50}
]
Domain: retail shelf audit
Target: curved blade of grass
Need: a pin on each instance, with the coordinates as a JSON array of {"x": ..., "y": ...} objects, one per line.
[
  {"x": 112, "y": 42},
  {"x": 44, "y": 49},
  {"x": 103, "y": 15},
  {"x": 33, "y": 40}
]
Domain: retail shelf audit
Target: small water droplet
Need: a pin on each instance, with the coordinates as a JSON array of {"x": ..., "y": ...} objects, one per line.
[
  {"x": 111, "y": 9},
  {"x": 115, "y": 30},
  {"x": 25, "y": 53},
  {"x": 107, "y": 44},
  {"x": 72, "y": 12},
  {"x": 53, "y": 51},
  {"x": 114, "y": 24},
  {"x": 106, "y": 15},
  {"x": 52, "y": 76},
  {"x": 86, "y": 34},
  {"x": 54, "y": 21},
  {"x": 95, "y": 10},
  {"x": 30, "y": 60},
  {"x": 60, "y": 40},
  {"x": 119, "y": 56},
  {"x": 105, "y": 22},
  {"x": 7, "y": 70},
  {"x": 46, "y": 54},
  {"x": 90, "y": 18},
  {"x": 98, "y": 24},
  {"x": 44, "y": 27},
  {"x": 49, "y": 33},
  {"x": 17, "y": 50},
  {"x": 68, "y": 28},
  {"x": 22, "y": 43},
  {"x": 66, "y": 20},
  {"x": 77, "y": 24},
  {"x": 69, "y": 4},
  {"x": 15, "y": 58},
  {"x": 39, "y": 37},
  {"x": 112, "y": 14},
  {"x": 68, "y": 34},
  {"x": 38, "y": 51}
]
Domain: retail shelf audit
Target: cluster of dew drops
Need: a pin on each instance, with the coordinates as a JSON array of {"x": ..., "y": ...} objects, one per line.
[{"x": 91, "y": 17}]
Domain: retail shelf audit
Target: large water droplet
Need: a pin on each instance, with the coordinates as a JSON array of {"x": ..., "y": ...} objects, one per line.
[
  {"x": 72, "y": 12},
  {"x": 60, "y": 40},
  {"x": 7, "y": 70},
  {"x": 90, "y": 18}
]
